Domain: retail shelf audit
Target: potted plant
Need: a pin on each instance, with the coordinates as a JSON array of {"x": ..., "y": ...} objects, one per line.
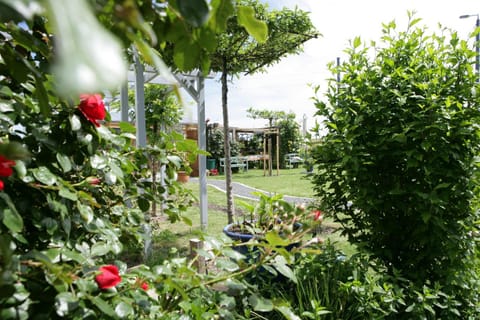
[
  {"x": 185, "y": 152},
  {"x": 272, "y": 222}
]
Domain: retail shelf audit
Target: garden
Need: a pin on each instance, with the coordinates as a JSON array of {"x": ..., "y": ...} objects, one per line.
[{"x": 87, "y": 231}]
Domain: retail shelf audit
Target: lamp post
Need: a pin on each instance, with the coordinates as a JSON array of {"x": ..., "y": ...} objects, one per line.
[{"x": 477, "y": 41}]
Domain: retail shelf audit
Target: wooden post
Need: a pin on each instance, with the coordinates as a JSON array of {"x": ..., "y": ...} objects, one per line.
[
  {"x": 195, "y": 245},
  {"x": 277, "y": 132}
]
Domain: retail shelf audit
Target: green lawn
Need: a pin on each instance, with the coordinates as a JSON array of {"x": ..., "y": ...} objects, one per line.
[
  {"x": 293, "y": 182},
  {"x": 172, "y": 239}
]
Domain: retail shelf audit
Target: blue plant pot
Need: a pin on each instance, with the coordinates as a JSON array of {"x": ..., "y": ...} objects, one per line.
[{"x": 243, "y": 237}]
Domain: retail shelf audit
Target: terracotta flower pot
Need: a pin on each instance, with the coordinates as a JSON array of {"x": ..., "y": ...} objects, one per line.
[{"x": 182, "y": 176}]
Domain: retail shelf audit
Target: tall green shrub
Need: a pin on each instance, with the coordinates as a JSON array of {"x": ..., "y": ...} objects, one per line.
[{"x": 398, "y": 165}]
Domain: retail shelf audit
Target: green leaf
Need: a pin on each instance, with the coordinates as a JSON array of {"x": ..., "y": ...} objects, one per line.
[
  {"x": 86, "y": 212},
  {"x": 42, "y": 96},
  {"x": 233, "y": 254},
  {"x": 143, "y": 204},
  {"x": 75, "y": 123},
  {"x": 98, "y": 162},
  {"x": 45, "y": 176},
  {"x": 256, "y": 28},
  {"x": 100, "y": 249},
  {"x": 186, "y": 55},
  {"x": 12, "y": 220},
  {"x": 104, "y": 306},
  {"x": 281, "y": 265},
  {"x": 235, "y": 285},
  {"x": 287, "y": 313},
  {"x": 227, "y": 265},
  {"x": 65, "y": 303},
  {"x": 221, "y": 11},
  {"x": 5, "y": 107},
  {"x": 73, "y": 255},
  {"x": 195, "y": 12},
  {"x": 64, "y": 162},
  {"x": 20, "y": 168},
  {"x": 123, "y": 309},
  {"x": 274, "y": 239},
  {"x": 26, "y": 8},
  {"x": 260, "y": 303},
  {"x": 67, "y": 194},
  {"x": 357, "y": 42},
  {"x": 187, "y": 221},
  {"x": 127, "y": 127}
]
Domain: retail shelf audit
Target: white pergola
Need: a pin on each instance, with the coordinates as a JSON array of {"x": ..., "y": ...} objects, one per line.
[{"x": 194, "y": 85}]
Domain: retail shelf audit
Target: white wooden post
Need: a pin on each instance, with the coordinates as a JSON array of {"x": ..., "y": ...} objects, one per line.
[{"x": 202, "y": 143}]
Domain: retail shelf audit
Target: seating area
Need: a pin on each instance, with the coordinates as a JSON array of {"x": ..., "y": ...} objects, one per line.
[
  {"x": 292, "y": 160},
  {"x": 235, "y": 162}
]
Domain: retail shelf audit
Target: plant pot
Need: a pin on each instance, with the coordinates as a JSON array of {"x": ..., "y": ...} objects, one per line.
[
  {"x": 252, "y": 253},
  {"x": 244, "y": 237},
  {"x": 183, "y": 177}
]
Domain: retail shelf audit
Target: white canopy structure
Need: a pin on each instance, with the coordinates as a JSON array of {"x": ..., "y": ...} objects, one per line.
[{"x": 194, "y": 85}]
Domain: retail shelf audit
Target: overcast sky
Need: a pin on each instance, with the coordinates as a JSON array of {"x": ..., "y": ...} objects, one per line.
[{"x": 285, "y": 86}]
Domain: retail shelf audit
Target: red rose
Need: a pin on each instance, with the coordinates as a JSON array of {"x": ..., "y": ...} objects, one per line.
[
  {"x": 92, "y": 107},
  {"x": 317, "y": 215},
  {"x": 6, "y": 166},
  {"x": 5, "y": 169},
  {"x": 144, "y": 286},
  {"x": 108, "y": 277}
]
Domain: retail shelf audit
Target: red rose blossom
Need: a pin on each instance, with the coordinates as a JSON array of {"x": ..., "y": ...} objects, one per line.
[
  {"x": 5, "y": 169},
  {"x": 108, "y": 277},
  {"x": 6, "y": 166},
  {"x": 317, "y": 215},
  {"x": 144, "y": 286},
  {"x": 92, "y": 107}
]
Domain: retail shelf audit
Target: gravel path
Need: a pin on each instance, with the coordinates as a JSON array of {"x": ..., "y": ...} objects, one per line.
[{"x": 243, "y": 191}]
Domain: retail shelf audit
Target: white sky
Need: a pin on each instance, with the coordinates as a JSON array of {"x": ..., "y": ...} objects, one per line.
[{"x": 285, "y": 86}]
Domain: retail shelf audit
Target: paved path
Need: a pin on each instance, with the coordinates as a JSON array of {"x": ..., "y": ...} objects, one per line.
[{"x": 243, "y": 191}]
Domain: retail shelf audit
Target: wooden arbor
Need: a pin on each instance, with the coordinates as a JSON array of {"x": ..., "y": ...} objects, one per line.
[{"x": 268, "y": 134}]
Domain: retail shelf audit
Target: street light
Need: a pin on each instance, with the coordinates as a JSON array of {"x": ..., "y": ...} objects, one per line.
[{"x": 477, "y": 41}]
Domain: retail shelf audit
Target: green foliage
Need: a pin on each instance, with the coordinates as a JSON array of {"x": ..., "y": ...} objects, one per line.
[
  {"x": 398, "y": 166},
  {"x": 272, "y": 216},
  {"x": 287, "y": 31},
  {"x": 216, "y": 147},
  {"x": 333, "y": 286},
  {"x": 290, "y": 138},
  {"x": 80, "y": 193}
]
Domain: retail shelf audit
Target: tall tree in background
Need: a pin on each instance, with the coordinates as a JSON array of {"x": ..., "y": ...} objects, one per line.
[{"x": 255, "y": 39}]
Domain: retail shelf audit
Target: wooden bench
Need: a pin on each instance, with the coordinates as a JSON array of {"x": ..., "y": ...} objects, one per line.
[{"x": 235, "y": 162}]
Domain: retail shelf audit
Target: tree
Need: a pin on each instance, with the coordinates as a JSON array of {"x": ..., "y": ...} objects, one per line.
[
  {"x": 398, "y": 166},
  {"x": 162, "y": 112},
  {"x": 240, "y": 53}
]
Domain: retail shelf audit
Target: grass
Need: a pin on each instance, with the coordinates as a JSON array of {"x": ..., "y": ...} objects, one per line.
[
  {"x": 172, "y": 240},
  {"x": 292, "y": 182}
]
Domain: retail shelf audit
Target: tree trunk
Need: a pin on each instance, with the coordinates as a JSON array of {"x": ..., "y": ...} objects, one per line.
[{"x": 226, "y": 136}]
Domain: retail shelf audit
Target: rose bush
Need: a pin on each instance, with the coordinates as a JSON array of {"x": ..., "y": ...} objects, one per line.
[{"x": 77, "y": 192}]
